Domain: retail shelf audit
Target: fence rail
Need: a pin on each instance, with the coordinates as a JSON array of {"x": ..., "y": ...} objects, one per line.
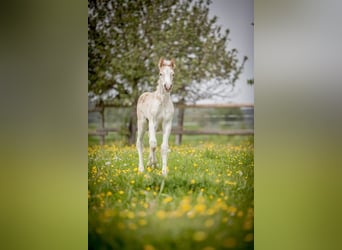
[{"x": 102, "y": 132}]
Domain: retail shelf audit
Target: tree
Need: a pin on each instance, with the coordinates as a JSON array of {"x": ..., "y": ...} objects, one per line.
[{"x": 127, "y": 38}]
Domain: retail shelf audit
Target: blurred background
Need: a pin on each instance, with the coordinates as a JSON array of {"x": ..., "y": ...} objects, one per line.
[
  {"x": 44, "y": 126},
  {"x": 212, "y": 44}
]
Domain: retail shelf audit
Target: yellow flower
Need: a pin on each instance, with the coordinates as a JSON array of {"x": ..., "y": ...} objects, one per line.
[
  {"x": 149, "y": 247},
  {"x": 200, "y": 208},
  {"x": 142, "y": 222},
  {"x": 209, "y": 248},
  {"x": 199, "y": 236},
  {"x": 132, "y": 226},
  {"x": 132, "y": 181},
  {"x": 232, "y": 210},
  {"x": 209, "y": 223},
  {"x": 141, "y": 213},
  {"x": 248, "y": 224},
  {"x": 109, "y": 193},
  {"x": 121, "y": 192},
  {"x": 161, "y": 214},
  {"x": 193, "y": 181},
  {"x": 130, "y": 215},
  {"x": 167, "y": 199},
  {"x": 210, "y": 211},
  {"x": 121, "y": 225},
  {"x": 249, "y": 237},
  {"x": 229, "y": 243}
]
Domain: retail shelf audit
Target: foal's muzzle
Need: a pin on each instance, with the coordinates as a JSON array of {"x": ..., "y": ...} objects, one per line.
[{"x": 168, "y": 89}]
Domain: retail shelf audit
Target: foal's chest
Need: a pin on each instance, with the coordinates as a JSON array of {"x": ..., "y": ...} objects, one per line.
[{"x": 165, "y": 112}]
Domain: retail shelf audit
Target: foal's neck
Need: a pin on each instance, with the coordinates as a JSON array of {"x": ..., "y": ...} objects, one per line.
[{"x": 162, "y": 93}]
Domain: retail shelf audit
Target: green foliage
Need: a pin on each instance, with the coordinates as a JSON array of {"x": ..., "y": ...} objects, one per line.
[
  {"x": 205, "y": 202},
  {"x": 126, "y": 39}
]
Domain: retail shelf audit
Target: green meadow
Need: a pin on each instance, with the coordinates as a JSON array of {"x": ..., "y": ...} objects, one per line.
[{"x": 206, "y": 201}]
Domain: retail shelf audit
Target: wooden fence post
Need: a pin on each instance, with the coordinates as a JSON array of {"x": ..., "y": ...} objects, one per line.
[
  {"x": 102, "y": 137},
  {"x": 180, "y": 122}
]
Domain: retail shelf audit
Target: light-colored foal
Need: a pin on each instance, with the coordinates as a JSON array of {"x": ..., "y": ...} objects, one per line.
[{"x": 156, "y": 108}]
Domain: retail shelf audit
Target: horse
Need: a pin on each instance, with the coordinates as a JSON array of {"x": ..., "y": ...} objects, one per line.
[{"x": 156, "y": 108}]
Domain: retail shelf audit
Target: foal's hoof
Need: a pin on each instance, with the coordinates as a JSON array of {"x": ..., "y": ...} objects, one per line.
[{"x": 152, "y": 164}]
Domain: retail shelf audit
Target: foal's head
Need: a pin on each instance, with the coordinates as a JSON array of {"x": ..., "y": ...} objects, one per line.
[{"x": 166, "y": 73}]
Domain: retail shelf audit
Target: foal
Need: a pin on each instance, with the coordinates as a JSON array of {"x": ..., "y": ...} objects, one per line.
[{"x": 156, "y": 108}]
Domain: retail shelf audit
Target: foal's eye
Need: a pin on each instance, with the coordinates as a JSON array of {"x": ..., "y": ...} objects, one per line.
[{"x": 160, "y": 74}]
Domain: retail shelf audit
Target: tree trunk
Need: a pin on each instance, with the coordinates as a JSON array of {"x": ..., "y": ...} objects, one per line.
[
  {"x": 132, "y": 127},
  {"x": 180, "y": 121}
]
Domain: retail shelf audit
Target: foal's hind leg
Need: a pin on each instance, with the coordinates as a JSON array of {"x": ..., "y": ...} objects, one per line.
[
  {"x": 152, "y": 161},
  {"x": 167, "y": 125}
]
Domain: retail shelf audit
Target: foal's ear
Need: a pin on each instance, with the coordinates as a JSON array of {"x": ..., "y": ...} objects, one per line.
[
  {"x": 173, "y": 63},
  {"x": 160, "y": 64}
]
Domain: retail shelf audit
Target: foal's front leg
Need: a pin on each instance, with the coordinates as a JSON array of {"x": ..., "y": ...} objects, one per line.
[
  {"x": 165, "y": 145},
  {"x": 139, "y": 144},
  {"x": 152, "y": 161}
]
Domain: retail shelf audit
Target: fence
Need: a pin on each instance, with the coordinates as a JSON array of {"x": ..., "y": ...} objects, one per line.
[{"x": 201, "y": 119}]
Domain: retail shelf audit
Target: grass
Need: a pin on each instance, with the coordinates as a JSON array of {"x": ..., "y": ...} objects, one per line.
[{"x": 206, "y": 201}]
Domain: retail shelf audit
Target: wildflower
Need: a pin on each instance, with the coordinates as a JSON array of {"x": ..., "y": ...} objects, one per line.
[
  {"x": 209, "y": 223},
  {"x": 185, "y": 205},
  {"x": 199, "y": 236},
  {"x": 209, "y": 248},
  {"x": 248, "y": 224},
  {"x": 121, "y": 192},
  {"x": 161, "y": 214},
  {"x": 200, "y": 208},
  {"x": 130, "y": 215},
  {"x": 210, "y": 211},
  {"x": 191, "y": 214},
  {"x": 195, "y": 165},
  {"x": 193, "y": 181},
  {"x": 132, "y": 181},
  {"x": 132, "y": 226},
  {"x": 240, "y": 214},
  {"x": 229, "y": 243},
  {"x": 121, "y": 225},
  {"x": 249, "y": 237},
  {"x": 167, "y": 199},
  {"x": 142, "y": 222},
  {"x": 149, "y": 247},
  {"x": 141, "y": 214},
  {"x": 109, "y": 193},
  {"x": 232, "y": 210}
]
